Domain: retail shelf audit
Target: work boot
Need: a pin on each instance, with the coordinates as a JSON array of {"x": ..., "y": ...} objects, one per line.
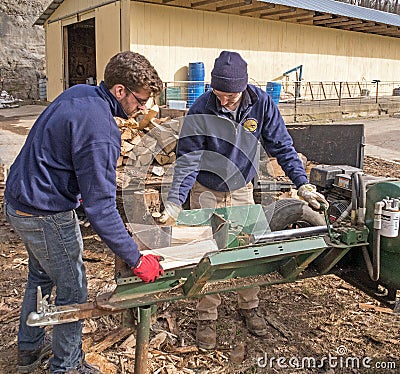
[
  {"x": 84, "y": 368},
  {"x": 254, "y": 322},
  {"x": 206, "y": 335},
  {"x": 29, "y": 360}
]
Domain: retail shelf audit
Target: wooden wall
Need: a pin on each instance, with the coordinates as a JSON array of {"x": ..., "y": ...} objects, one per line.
[{"x": 173, "y": 37}]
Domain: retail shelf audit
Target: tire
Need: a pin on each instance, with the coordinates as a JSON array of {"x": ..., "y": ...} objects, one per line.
[{"x": 292, "y": 213}]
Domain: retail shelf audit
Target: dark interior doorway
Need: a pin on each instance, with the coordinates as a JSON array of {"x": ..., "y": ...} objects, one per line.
[{"x": 80, "y": 53}]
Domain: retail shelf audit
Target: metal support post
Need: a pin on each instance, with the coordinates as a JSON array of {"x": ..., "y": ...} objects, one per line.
[
  {"x": 142, "y": 339},
  {"x": 376, "y": 81},
  {"x": 295, "y": 101}
]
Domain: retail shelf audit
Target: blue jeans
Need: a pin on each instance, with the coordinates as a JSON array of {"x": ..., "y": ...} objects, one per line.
[{"x": 55, "y": 247}]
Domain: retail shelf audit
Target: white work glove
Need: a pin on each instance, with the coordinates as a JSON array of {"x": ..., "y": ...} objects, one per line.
[
  {"x": 170, "y": 214},
  {"x": 308, "y": 192}
]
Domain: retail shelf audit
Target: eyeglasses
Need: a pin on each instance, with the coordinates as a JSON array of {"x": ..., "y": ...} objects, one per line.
[
  {"x": 141, "y": 102},
  {"x": 227, "y": 96}
]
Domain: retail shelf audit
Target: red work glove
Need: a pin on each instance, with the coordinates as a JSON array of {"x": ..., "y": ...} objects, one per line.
[{"x": 148, "y": 268}]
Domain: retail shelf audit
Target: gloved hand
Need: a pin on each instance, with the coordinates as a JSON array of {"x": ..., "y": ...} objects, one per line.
[
  {"x": 170, "y": 214},
  {"x": 309, "y": 193},
  {"x": 148, "y": 268}
]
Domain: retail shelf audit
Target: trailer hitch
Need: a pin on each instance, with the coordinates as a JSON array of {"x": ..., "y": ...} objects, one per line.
[{"x": 49, "y": 314}]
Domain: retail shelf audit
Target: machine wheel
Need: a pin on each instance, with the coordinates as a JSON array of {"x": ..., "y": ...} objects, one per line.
[{"x": 292, "y": 213}]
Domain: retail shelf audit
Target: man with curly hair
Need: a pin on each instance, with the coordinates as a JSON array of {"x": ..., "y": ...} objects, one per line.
[{"x": 70, "y": 154}]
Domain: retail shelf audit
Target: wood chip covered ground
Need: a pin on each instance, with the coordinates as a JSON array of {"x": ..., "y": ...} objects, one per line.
[{"x": 322, "y": 319}]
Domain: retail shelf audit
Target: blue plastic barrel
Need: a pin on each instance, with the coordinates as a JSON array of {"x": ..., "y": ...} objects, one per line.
[
  {"x": 274, "y": 90},
  {"x": 196, "y": 73},
  {"x": 43, "y": 89}
]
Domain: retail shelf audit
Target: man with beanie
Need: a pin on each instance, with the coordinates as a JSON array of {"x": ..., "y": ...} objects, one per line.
[{"x": 217, "y": 159}]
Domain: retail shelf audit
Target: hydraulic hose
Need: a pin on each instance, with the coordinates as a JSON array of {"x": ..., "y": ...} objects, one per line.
[
  {"x": 362, "y": 199},
  {"x": 354, "y": 197},
  {"x": 375, "y": 266}
]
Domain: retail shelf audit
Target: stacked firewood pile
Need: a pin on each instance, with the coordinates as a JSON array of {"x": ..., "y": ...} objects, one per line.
[{"x": 148, "y": 145}]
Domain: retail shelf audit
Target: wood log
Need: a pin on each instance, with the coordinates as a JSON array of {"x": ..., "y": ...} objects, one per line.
[
  {"x": 120, "y": 161},
  {"x": 162, "y": 158},
  {"x": 189, "y": 234},
  {"x": 144, "y": 159},
  {"x": 174, "y": 125},
  {"x": 166, "y": 138},
  {"x": 122, "y": 179},
  {"x": 126, "y": 133},
  {"x": 148, "y": 116},
  {"x": 126, "y": 148},
  {"x": 149, "y": 142},
  {"x": 111, "y": 339},
  {"x": 183, "y": 255},
  {"x": 136, "y": 139},
  {"x": 172, "y": 157}
]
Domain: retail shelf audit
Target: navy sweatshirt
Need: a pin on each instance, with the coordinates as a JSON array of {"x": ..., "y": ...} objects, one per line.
[
  {"x": 221, "y": 152},
  {"x": 71, "y": 153}
]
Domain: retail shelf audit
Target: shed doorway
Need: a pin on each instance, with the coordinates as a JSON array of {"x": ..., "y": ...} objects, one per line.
[{"x": 80, "y": 53}]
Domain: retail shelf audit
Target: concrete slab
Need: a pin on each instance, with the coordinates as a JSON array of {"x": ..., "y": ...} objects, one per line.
[
  {"x": 381, "y": 134},
  {"x": 382, "y": 138},
  {"x": 15, "y": 124}
]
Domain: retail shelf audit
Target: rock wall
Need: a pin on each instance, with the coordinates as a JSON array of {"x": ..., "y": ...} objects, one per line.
[{"x": 22, "y": 47}]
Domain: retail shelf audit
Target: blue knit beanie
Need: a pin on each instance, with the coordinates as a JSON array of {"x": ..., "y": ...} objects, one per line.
[{"x": 229, "y": 73}]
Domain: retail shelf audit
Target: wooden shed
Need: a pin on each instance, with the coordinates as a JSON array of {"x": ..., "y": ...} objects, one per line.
[{"x": 332, "y": 41}]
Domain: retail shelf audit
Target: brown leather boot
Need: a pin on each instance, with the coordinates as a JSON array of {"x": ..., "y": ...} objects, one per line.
[
  {"x": 254, "y": 322},
  {"x": 206, "y": 335}
]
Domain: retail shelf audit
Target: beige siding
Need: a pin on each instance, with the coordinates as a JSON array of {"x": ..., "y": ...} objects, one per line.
[
  {"x": 54, "y": 53},
  {"x": 108, "y": 37},
  {"x": 71, "y": 7},
  {"x": 108, "y": 41},
  {"x": 171, "y": 38}
]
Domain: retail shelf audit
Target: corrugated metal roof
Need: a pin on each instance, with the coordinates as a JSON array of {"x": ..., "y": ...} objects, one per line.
[
  {"x": 341, "y": 9},
  {"x": 323, "y": 6},
  {"x": 48, "y": 12}
]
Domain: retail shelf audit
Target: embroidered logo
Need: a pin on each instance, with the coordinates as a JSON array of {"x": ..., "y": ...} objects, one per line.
[{"x": 250, "y": 125}]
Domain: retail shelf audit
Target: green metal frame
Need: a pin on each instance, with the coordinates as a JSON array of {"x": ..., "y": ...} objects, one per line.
[{"x": 277, "y": 262}]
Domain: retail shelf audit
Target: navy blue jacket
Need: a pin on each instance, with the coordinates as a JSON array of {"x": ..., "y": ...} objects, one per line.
[
  {"x": 222, "y": 153},
  {"x": 70, "y": 153}
]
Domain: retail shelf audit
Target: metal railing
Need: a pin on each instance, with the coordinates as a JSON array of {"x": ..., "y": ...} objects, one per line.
[
  {"x": 318, "y": 91},
  {"x": 296, "y": 92}
]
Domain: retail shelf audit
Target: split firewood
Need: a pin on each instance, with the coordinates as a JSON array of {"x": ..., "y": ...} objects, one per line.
[
  {"x": 122, "y": 179},
  {"x": 148, "y": 116},
  {"x": 158, "y": 170},
  {"x": 375, "y": 308},
  {"x": 130, "y": 342},
  {"x": 279, "y": 327},
  {"x": 162, "y": 158},
  {"x": 172, "y": 324},
  {"x": 145, "y": 141},
  {"x": 158, "y": 340},
  {"x": 172, "y": 157},
  {"x": 187, "y": 349},
  {"x": 111, "y": 339},
  {"x": 101, "y": 362},
  {"x": 126, "y": 148},
  {"x": 130, "y": 122},
  {"x": 120, "y": 161},
  {"x": 166, "y": 138},
  {"x": 238, "y": 353},
  {"x": 87, "y": 343}
]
